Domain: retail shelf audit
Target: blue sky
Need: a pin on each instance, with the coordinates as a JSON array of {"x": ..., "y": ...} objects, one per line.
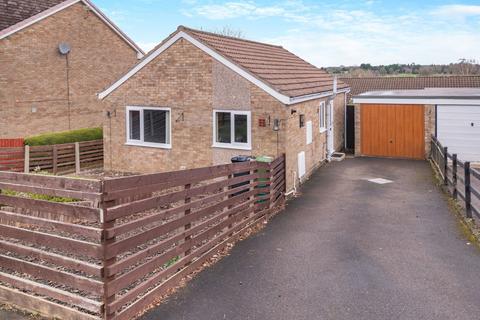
[{"x": 326, "y": 33}]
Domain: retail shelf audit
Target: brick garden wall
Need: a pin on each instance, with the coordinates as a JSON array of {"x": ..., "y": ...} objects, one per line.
[{"x": 33, "y": 73}]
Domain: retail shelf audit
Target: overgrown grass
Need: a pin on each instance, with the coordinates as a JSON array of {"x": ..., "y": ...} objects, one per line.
[
  {"x": 36, "y": 196},
  {"x": 79, "y": 135},
  {"x": 171, "y": 261}
]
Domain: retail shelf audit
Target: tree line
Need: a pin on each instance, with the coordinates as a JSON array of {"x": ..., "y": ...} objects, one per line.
[{"x": 461, "y": 67}]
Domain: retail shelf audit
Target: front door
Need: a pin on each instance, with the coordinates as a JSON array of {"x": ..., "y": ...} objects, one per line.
[{"x": 330, "y": 148}]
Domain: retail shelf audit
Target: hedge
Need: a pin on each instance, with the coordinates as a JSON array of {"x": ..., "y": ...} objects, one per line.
[{"x": 65, "y": 137}]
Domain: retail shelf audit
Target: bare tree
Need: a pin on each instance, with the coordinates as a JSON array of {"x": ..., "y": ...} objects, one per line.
[{"x": 466, "y": 67}]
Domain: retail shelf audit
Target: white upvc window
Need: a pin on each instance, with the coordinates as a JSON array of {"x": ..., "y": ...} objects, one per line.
[
  {"x": 232, "y": 129},
  {"x": 149, "y": 126},
  {"x": 322, "y": 117}
]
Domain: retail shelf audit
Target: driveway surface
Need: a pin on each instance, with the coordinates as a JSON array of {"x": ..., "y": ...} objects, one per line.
[{"x": 346, "y": 249}]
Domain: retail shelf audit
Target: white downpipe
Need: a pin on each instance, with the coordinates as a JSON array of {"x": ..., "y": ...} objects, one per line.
[{"x": 294, "y": 190}]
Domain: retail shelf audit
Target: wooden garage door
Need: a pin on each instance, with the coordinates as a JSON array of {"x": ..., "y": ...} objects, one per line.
[{"x": 393, "y": 131}]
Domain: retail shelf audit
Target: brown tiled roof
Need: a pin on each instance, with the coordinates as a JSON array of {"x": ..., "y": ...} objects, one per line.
[
  {"x": 361, "y": 85},
  {"x": 280, "y": 69},
  {"x": 15, "y": 11}
]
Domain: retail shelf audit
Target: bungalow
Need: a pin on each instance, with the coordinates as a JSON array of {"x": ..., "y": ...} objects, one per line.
[
  {"x": 200, "y": 98},
  {"x": 55, "y": 55}
]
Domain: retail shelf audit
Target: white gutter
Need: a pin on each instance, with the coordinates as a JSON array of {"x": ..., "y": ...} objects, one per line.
[{"x": 316, "y": 96}]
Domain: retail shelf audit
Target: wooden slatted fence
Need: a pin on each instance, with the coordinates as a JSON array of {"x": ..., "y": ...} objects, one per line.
[
  {"x": 11, "y": 155},
  {"x": 460, "y": 178},
  {"x": 51, "y": 252},
  {"x": 68, "y": 157},
  {"x": 135, "y": 239}
]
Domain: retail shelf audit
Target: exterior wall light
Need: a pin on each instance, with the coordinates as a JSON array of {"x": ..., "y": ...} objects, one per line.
[{"x": 276, "y": 124}]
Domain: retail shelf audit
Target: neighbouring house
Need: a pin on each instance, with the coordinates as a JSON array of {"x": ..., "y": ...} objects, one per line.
[
  {"x": 200, "y": 98},
  {"x": 361, "y": 85},
  {"x": 55, "y": 56},
  {"x": 400, "y": 123}
]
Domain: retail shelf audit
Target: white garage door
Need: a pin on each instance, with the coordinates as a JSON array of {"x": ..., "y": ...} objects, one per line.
[{"x": 458, "y": 128}]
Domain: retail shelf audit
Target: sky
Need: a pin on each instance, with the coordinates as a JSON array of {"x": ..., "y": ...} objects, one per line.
[{"x": 325, "y": 33}]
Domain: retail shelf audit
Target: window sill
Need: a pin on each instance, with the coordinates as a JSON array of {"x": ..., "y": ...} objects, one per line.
[
  {"x": 229, "y": 146},
  {"x": 149, "y": 145},
  {"x": 322, "y": 130}
]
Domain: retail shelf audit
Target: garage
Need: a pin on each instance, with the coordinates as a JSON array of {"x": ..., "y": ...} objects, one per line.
[
  {"x": 393, "y": 130},
  {"x": 400, "y": 124},
  {"x": 458, "y": 126}
]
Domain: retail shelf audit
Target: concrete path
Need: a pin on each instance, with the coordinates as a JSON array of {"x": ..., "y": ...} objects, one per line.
[{"x": 346, "y": 249}]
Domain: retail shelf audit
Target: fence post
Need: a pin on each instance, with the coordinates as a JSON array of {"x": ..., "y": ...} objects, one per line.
[
  {"x": 432, "y": 145},
  {"x": 55, "y": 159},
  {"x": 106, "y": 241},
  {"x": 454, "y": 175},
  {"x": 445, "y": 165},
  {"x": 468, "y": 204},
  {"x": 77, "y": 157},
  {"x": 188, "y": 225},
  {"x": 26, "y": 163},
  {"x": 270, "y": 185}
]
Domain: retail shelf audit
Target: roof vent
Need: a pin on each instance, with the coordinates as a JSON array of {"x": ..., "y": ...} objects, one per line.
[{"x": 64, "y": 48}]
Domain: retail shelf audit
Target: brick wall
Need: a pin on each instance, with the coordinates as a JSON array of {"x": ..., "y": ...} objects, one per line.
[
  {"x": 429, "y": 127},
  {"x": 33, "y": 82},
  {"x": 339, "y": 122},
  {"x": 315, "y": 153},
  {"x": 358, "y": 131}
]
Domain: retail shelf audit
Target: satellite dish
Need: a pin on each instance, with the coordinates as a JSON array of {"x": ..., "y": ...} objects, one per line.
[{"x": 64, "y": 48}]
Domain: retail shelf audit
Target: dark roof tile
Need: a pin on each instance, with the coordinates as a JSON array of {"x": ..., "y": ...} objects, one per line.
[
  {"x": 274, "y": 65},
  {"x": 15, "y": 11}
]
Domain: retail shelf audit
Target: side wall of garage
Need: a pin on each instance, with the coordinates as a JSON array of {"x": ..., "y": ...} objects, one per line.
[{"x": 429, "y": 128}]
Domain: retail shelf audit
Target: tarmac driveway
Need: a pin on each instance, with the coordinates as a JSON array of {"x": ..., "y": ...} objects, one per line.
[{"x": 346, "y": 248}]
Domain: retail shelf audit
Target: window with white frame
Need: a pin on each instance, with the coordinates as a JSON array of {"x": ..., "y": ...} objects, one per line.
[
  {"x": 148, "y": 126},
  {"x": 231, "y": 129},
  {"x": 322, "y": 116}
]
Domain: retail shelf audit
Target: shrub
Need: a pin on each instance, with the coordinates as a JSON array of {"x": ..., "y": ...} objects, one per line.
[{"x": 65, "y": 137}]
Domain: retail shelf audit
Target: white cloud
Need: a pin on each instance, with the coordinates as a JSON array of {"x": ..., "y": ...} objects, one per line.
[
  {"x": 248, "y": 9},
  {"x": 333, "y": 49},
  {"x": 338, "y": 35},
  {"x": 458, "y": 10}
]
